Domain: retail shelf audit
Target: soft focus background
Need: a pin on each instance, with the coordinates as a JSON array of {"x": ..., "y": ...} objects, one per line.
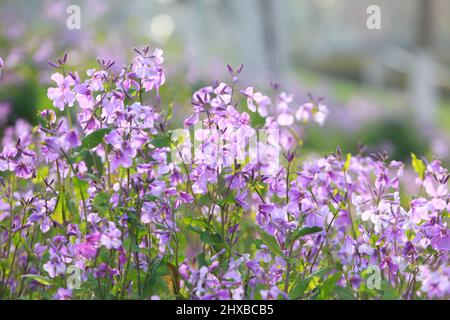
[{"x": 388, "y": 89}]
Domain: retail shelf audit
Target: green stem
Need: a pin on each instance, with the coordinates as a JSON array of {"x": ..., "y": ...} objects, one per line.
[
  {"x": 61, "y": 195},
  {"x": 127, "y": 266}
]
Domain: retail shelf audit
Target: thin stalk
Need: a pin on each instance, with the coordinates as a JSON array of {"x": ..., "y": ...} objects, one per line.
[{"x": 323, "y": 240}]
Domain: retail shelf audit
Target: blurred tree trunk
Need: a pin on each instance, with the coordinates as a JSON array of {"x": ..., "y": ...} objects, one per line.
[
  {"x": 425, "y": 24},
  {"x": 269, "y": 37},
  {"x": 422, "y": 78},
  {"x": 274, "y": 18}
]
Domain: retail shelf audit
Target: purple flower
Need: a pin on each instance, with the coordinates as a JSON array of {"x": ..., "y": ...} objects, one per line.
[
  {"x": 86, "y": 249},
  {"x": 121, "y": 159},
  {"x": 39, "y": 215},
  {"x": 73, "y": 230},
  {"x": 103, "y": 269},
  {"x": 264, "y": 213},
  {"x": 317, "y": 219},
  {"x": 256, "y": 97},
  {"x": 263, "y": 254},
  {"x": 63, "y": 294},
  {"x": 442, "y": 243},
  {"x": 7, "y": 158},
  {"x": 435, "y": 283},
  {"x": 62, "y": 94},
  {"x": 204, "y": 175},
  {"x": 272, "y": 294},
  {"x": 54, "y": 266},
  {"x": 114, "y": 139},
  {"x": 72, "y": 139},
  {"x": 39, "y": 250},
  {"x": 124, "y": 152},
  {"x": 149, "y": 69},
  {"x": 184, "y": 197},
  {"x": 241, "y": 199},
  {"x": 24, "y": 170},
  {"x": 110, "y": 238}
]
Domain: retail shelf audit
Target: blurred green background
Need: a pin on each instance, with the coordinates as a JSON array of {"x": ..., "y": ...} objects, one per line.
[{"x": 388, "y": 89}]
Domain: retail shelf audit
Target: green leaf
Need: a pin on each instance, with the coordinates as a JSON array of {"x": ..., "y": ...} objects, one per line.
[
  {"x": 101, "y": 202},
  {"x": 213, "y": 239},
  {"x": 58, "y": 212},
  {"x": 94, "y": 139},
  {"x": 272, "y": 243},
  {"x": 170, "y": 111},
  {"x": 305, "y": 231},
  {"x": 155, "y": 283},
  {"x": 71, "y": 207},
  {"x": 418, "y": 166},
  {"x": 41, "y": 174},
  {"x": 131, "y": 243},
  {"x": 300, "y": 287},
  {"x": 201, "y": 259},
  {"x": 24, "y": 243},
  {"x": 161, "y": 140},
  {"x": 228, "y": 199},
  {"x": 43, "y": 122},
  {"x": 61, "y": 209},
  {"x": 389, "y": 293},
  {"x": 80, "y": 188},
  {"x": 347, "y": 162},
  {"x": 194, "y": 225},
  {"x": 328, "y": 286},
  {"x": 175, "y": 276},
  {"x": 42, "y": 280},
  {"x": 344, "y": 293}
]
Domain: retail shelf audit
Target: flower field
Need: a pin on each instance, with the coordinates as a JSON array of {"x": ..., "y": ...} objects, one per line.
[{"x": 107, "y": 198}]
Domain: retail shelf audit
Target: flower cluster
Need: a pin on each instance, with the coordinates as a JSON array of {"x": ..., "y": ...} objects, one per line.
[{"x": 104, "y": 199}]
